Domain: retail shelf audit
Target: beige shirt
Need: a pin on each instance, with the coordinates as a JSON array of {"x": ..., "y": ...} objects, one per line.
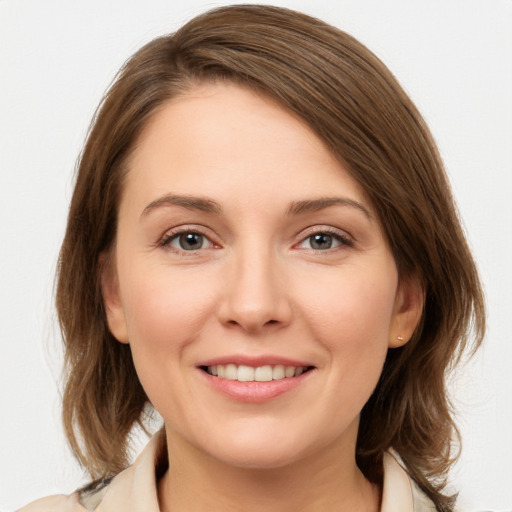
[{"x": 135, "y": 490}]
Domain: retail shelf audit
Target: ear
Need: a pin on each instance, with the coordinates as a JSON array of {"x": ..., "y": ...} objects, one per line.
[
  {"x": 407, "y": 311},
  {"x": 111, "y": 298}
]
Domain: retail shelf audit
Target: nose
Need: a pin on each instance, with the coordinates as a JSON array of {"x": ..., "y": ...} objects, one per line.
[{"x": 255, "y": 294}]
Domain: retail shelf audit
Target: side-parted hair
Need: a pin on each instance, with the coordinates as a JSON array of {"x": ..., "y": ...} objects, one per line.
[{"x": 356, "y": 106}]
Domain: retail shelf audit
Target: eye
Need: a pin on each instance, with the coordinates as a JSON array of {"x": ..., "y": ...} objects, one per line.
[
  {"x": 187, "y": 241},
  {"x": 325, "y": 240}
]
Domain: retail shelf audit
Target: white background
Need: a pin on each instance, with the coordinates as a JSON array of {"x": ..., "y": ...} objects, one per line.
[{"x": 454, "y": 57}]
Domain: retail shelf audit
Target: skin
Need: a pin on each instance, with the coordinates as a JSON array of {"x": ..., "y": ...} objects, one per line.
[{"x": 256, "y": 285}]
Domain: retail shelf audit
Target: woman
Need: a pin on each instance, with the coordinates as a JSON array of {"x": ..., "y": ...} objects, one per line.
[{"x": 262, "y": 245}]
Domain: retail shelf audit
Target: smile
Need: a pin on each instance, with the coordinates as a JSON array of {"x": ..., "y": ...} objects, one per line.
[{"x": 266, "y": 373}]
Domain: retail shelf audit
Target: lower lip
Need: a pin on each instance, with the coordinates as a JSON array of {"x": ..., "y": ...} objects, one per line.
[{"x": 255, "y": 392}]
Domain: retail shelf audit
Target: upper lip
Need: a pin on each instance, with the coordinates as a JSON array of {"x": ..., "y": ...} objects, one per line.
[{"x": 254, "y": 361}]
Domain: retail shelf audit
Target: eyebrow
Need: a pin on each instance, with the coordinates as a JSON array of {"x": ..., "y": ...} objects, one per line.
[
  {"x": 314, "y": 205},
  {"x": 204, "y": 204},
  {"x": 189, "y": 202}
]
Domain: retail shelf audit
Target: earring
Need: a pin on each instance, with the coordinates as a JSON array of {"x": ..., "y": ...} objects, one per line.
[{"x": 399, "y": 338}]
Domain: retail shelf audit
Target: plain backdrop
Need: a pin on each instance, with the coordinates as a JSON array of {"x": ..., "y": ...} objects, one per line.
[{"x": 454, "y": 57}]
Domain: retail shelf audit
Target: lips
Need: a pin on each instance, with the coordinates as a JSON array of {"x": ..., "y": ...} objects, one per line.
[{"x": 250, "y": 379}]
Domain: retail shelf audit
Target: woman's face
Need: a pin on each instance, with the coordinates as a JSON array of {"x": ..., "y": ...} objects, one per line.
[{"x": 245, "y": 249}]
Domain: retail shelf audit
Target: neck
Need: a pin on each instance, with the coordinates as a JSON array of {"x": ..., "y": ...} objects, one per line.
[{"x": 327, "y": 481}]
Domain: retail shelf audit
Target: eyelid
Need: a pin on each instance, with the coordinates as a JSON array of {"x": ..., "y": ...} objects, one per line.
[
  {"x": 170, "y": 234},
  {"x": 345, "y": 239}
]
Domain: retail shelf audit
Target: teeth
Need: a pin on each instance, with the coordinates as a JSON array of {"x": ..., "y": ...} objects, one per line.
[
  {"x": 265, "y": 373},
  {"x": 230, "y": 371},
  {"x": 289, "y": 371},
  {"x": 278, "y": 372},
  {"x": 245, "y": 373}
]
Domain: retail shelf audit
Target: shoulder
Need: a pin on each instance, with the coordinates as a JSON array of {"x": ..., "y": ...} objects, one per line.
[
  {"x": 57, "y": 503},
  {"x": 135, "y": 488},
  {"x": 400, "y": 492},
  {"x": 83, "y": 500}
]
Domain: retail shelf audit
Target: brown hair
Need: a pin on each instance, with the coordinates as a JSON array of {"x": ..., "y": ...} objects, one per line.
[{"x": 357, "y": 107}]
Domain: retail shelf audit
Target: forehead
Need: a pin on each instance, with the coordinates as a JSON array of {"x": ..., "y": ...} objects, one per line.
[{"x": 221, "y": 138}]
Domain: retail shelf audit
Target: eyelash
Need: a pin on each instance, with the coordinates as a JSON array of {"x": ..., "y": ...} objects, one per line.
[
  {"x": 343, "y": 239},
  {"x": 172, "y": 235}
]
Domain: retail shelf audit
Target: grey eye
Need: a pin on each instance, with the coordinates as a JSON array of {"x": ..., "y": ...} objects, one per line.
[
  {"x": 189, "y": 241},
  {"x": 321, "y": 241}
]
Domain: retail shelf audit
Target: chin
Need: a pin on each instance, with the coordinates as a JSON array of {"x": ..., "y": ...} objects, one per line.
[
  {"x": 270, "y": 458},
  {"x": 259, "y": 450}
]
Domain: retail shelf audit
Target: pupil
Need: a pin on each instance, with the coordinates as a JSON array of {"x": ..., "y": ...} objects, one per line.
[
  {"x": 191, "y": 241},
  {"x": 321, "y": 241}
]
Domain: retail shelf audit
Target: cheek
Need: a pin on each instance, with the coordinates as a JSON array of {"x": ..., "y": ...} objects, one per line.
[
  {"x": 165, "y": 313},
  {"x": 165, "y": 310},
  {"x": 351, "y": 314}
]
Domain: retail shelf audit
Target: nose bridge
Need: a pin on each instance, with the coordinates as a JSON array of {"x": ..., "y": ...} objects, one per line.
[{"x": 255, "y": 295}]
